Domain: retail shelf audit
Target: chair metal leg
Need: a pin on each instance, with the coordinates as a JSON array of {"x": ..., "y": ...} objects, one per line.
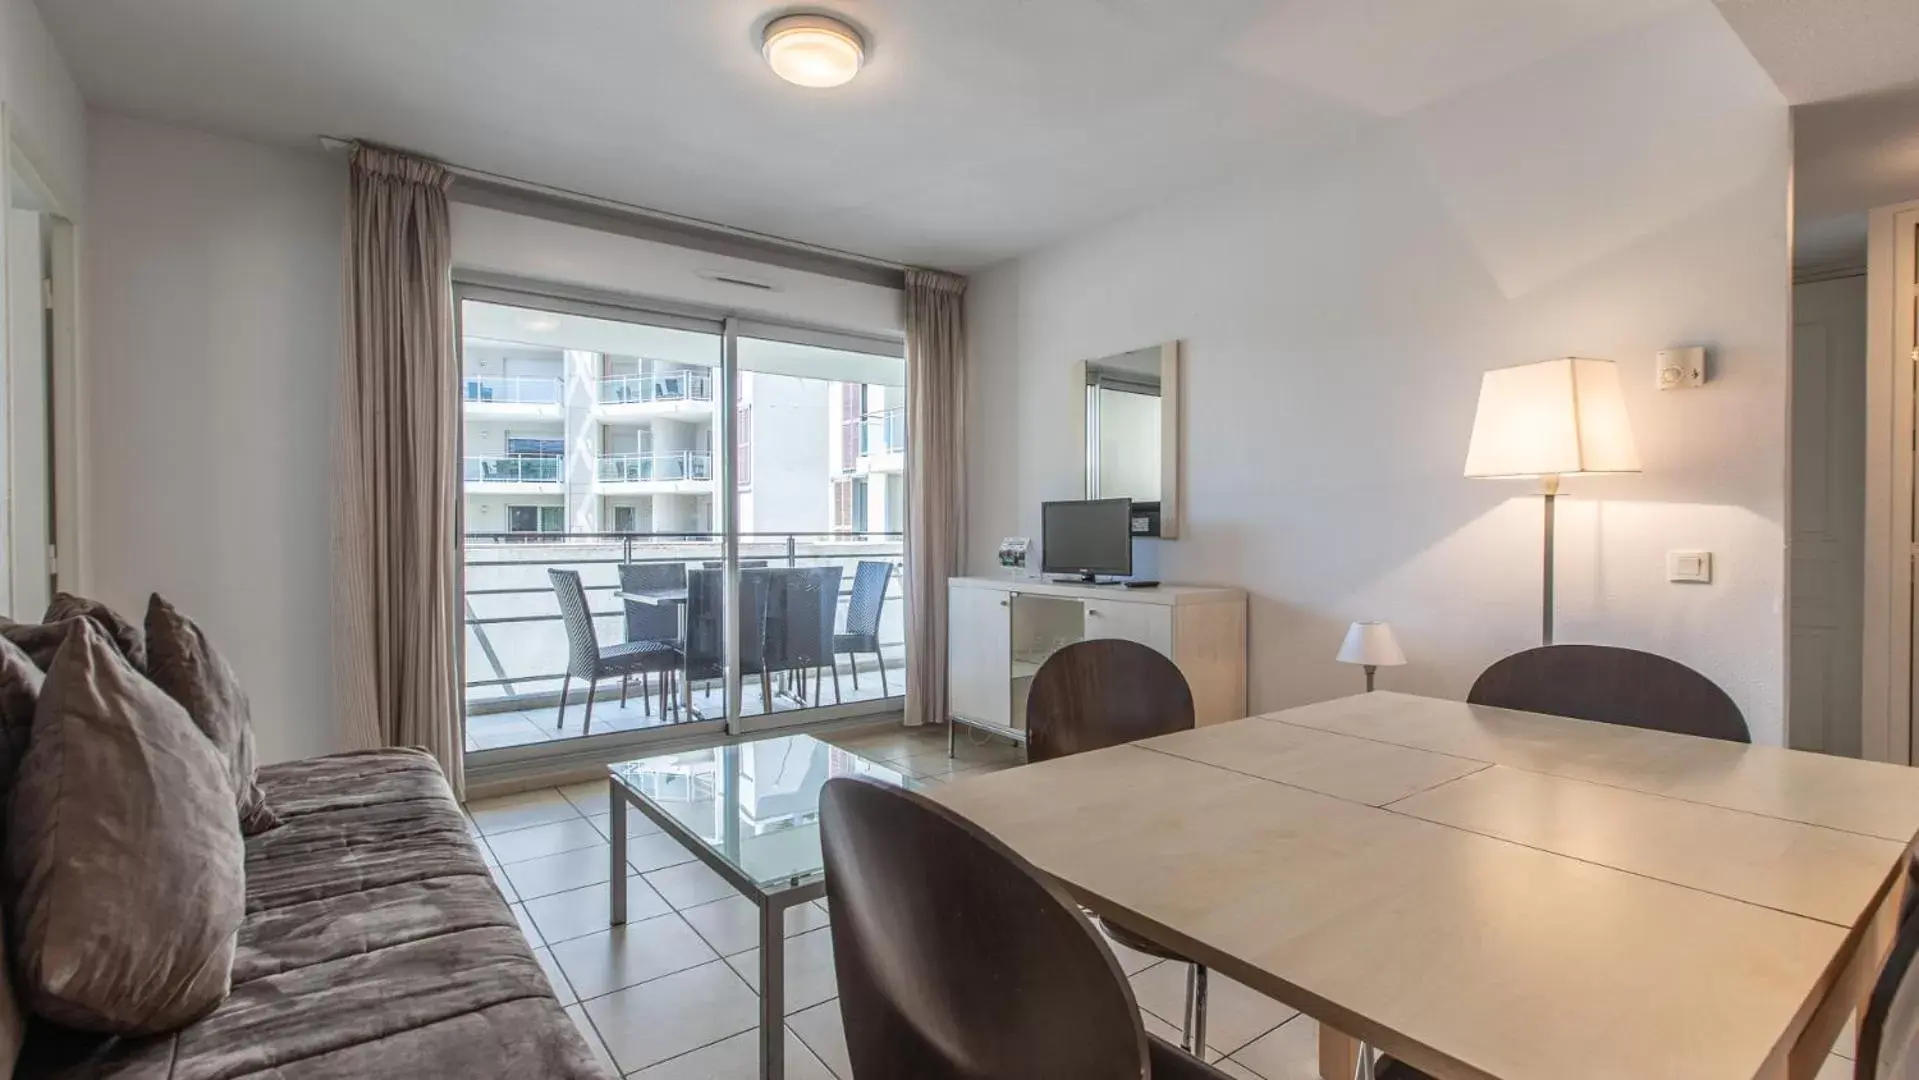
[
  {"x": 592, "y": 686},
  {"x": 623, "y": 681},
  {"x": 884, "y": 692},
  {"x": 646, "y": 696},
  {"x": 1367, "y": 1065},
  {"x": 766, "y": 692},
  {"x": 566, "y": 681},
  {"x": 1193, "y": 1039},
  {"x": 835, "y": 659},
  {"x": 855, "y": 657}
]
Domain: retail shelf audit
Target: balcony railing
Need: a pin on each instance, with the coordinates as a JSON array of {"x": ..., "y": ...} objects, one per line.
[
  {"x": 883, "y": 432},
  {"x": 511, "y": 390},
  {"x": 660, "y": 386},
  {"x": 666, "y": 465},
  {"x": 517, "y": 646},
  {"x": 513, "y": 469}
]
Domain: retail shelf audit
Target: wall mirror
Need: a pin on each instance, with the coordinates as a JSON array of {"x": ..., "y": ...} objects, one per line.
[{"x": 1127, "y": 412}]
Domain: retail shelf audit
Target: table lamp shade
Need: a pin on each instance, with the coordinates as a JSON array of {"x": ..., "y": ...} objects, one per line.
[
  {"x": 1552, "y": 418},
  {"x": 1372, "y": 644}
]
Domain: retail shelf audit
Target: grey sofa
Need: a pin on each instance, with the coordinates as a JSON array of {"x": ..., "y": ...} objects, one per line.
[{"x": 375, "y": 944}]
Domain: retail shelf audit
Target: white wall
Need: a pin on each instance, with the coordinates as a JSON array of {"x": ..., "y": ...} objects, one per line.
[
  {"x": 214, "y": 315},
  {"x": 44, "y": 108},
  {"x": 1611, "y": 201}
]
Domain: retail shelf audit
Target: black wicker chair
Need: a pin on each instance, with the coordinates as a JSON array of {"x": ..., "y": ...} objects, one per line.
[
  {"x": 651, "y": 622},
  {"x": 801, "y": 608},
  {"x": 705, "y": 620},
  {"x": 587, "y": 660},
  {"x": 863, "y": 620}
]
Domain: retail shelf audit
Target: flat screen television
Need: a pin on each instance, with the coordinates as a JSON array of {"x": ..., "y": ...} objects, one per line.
[{"x": 1087, "y": 538}]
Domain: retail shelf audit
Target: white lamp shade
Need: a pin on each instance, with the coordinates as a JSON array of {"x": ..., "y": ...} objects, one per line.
[
  {"x": 1371, "y": 643},
  {"x": 1552, "y": 418}
]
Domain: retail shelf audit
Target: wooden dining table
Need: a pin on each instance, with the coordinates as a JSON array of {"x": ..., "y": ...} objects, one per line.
[{"x": 1485, "y": 893}]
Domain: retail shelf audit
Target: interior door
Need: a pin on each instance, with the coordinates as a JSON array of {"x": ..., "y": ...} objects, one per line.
[
  {"x": 1828, "y": 515},
  {"x": 29, "y": 460}
]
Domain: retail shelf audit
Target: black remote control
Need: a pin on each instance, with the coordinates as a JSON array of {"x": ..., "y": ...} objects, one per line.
[{"x": 1141, "y": 584}]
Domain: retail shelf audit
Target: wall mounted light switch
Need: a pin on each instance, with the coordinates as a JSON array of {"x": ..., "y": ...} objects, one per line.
[{"x": 1691, "y": 567}]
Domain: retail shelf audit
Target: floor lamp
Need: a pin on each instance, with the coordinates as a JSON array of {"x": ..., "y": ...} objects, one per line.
[{"x": 1547, "y": 420}]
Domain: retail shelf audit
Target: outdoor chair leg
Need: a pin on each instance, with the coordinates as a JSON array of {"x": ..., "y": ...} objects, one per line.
[
  {"x": 884, "y": 692},
  {"x": 855, "y": 658},
  {"x": 835, "y": 658},
  {"x": 623, "y": 681},
  {"x": 646, "y": 696},
  {"x": 592, "y": 687},
  {"x": 565, "y": 682}
]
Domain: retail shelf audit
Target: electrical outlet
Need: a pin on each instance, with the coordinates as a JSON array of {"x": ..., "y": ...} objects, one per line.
[{"x": 1691, "y": 567}]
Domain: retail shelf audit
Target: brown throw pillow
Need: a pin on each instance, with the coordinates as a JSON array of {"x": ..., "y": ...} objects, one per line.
[
  {"x": 125, "y": 870},
  {"x": 20, "y": 680},
  {"x": 181, "y": 661},
  {"x": 38, "y": 640},
  {"x": 125, "y": 633}
]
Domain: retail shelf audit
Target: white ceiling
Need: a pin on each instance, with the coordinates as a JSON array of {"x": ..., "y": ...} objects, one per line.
[
  {"x": 980, "y": 129},
  {"x": 1822, "y": 50}
]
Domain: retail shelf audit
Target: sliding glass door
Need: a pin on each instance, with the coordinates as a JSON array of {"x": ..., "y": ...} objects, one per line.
[{"x": 704, "y": 511}]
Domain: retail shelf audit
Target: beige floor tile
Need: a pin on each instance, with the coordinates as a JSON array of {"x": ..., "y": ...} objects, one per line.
[
  {"x": 1835, "y": 1068},
  {"x": 655, "y": 851},
  {"x": 1131, "y": 961},
  {"x": 527, "y": 926},
  {"x": 1237, "y": 1071},
  {"x": 732, "y": 924},
  {"x": 1290, "y": 1052},
  {"x": 819, "y": 1027},
  {"x": 809, "y": 970},
  {"x": 627, "y": 955},
  {"x": 689, "y": 884},
  {"x": 521, "y": 811},
  {"x": 543, "y": 840},
  {"x": 1235, "y": 1015},
  {"x": 737, "y": 1058},
  {"x": 579, "y": 912},
  {"x": 577, "y": 1014},
  {"x": 535, "y": 878},
  {"x": 506, "y": 887},
  {"x": 1847, "y": 1045},
  {"x": 649, "y": 1023},
  {"x": 588, "y": 797},
  {"x": 637, "y": 824},
  {"x": 562, "y": 988}
]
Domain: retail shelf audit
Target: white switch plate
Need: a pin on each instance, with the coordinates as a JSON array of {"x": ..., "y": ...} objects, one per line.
[
  {"x": 1682, "y": 369},
  {"x": 1692, "y": 567}
]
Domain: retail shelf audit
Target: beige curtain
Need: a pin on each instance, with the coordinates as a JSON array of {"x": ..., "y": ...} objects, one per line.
[
  {"x": 395, "y": 480},
  {"x": 936, "y": 479}
]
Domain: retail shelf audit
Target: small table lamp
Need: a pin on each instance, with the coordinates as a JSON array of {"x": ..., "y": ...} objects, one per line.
[
  {"x": 1548, "y": 420},
  {"x": 1371, "y": 644}
]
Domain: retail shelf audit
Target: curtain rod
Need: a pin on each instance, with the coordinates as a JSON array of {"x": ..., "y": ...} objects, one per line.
[{"x": 335, "y": 144}]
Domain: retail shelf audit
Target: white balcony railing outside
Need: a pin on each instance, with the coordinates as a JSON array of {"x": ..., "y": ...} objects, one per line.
[
  {"x": 883, "y": 432},
  {"x": 513, "y": 469},
  {"x": 667, "y": 465},
  {"x": 660, "y": 386},
  {"x": 511, "y": 390}
]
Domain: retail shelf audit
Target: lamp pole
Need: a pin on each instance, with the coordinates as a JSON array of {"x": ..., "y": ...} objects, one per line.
[{"x": 1549, "y": 487}]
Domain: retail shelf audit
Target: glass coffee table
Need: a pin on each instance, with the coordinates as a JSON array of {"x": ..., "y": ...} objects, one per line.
[{"x": 751, "y": 811}]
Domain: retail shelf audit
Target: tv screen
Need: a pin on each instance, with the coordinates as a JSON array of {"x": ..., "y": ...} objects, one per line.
[{"x": 1087, "y": 538}]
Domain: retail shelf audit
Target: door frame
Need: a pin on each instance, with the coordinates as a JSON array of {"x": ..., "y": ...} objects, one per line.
[
  {"x": 1892, "y": 299},
  {"x": 488, "y": 287},
  {"x": 70, "y": 568}
]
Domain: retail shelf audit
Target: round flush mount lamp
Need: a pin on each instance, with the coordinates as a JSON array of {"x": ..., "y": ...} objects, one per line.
[{"x": 813, "y": 50}]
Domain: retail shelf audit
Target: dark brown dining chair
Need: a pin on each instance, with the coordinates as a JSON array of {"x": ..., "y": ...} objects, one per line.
[
  {"x": 1889, "y": 1027},
  {"x": 1094, "y": 694},
  {"x": 1611, "y": 685},
  {"x": 957, "y": 959}
]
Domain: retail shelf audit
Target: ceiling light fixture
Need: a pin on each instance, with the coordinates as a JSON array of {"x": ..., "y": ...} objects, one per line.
[{"x": 813, "y": 50}]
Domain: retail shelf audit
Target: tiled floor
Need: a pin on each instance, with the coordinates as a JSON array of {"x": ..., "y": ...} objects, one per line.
[
  {"x": 671, "y": 995},
  {"x": 494, "y": 730}
]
